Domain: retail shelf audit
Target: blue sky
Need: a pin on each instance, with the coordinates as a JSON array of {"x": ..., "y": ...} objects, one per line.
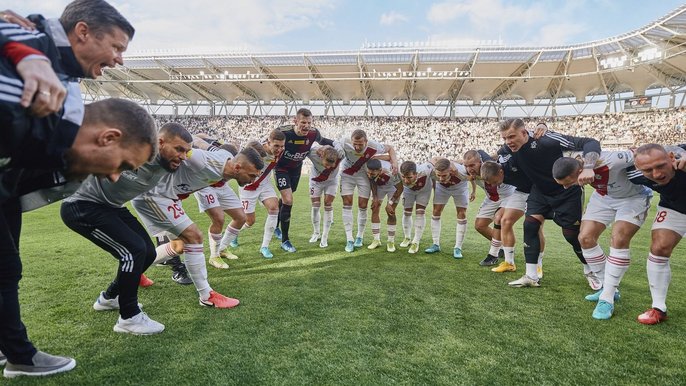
[{"x": 325, "y": 25}]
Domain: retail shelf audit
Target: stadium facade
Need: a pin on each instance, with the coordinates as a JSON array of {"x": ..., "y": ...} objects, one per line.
[{"x": 638, "y": 70}]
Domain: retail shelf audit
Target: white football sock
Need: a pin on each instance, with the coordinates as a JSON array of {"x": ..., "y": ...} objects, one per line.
[
  {"x": 460, "y": 231},
  {"x": 419, "y": 225},
  {"x": 269, "y": 225},
  {"x": 315, "y": 219},
  {"x": 348, "y": 222},
  {"x": 436, "y": 229},
  {"x": 616, "y": 266},
  {"x": 659, "y": 276},
  {"x": 361, "y": 221},
  {"x": 509, "y": 254},
  {"x": 595, "y": 258},
  {"x": 407, "y": 225},
  {"x": 197, "y": 269}
]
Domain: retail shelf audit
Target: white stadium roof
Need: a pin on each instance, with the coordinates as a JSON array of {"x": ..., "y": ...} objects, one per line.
[{"x": 652, "y": 57}]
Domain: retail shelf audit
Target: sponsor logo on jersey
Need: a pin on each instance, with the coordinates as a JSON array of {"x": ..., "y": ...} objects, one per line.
[{"x": 299, "y": 142}]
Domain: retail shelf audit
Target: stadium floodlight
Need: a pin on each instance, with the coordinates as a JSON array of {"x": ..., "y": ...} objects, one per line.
[
  {"x": 613, "y": 62},
  {"x": 649, "y": 54}
]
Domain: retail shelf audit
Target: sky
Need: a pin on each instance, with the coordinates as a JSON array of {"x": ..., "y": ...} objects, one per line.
[{"x": 200, "y": 26}]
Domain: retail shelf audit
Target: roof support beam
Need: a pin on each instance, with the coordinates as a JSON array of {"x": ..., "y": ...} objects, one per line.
[
  {"x": 506, "y": 86},
  {"x": 283, "y": 89}
]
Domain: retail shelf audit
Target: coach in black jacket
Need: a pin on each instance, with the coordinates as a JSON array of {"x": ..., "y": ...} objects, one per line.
[{"x": 117, "y": 135}]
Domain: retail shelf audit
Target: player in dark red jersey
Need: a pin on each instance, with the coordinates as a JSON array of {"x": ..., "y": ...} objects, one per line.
[{"x": 299, "y": 140}]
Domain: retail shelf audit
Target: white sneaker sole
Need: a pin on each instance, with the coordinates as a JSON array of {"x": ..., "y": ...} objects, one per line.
[{"x": 13, "y": 374}]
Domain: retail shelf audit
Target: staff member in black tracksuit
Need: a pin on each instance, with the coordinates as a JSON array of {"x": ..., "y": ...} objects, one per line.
[
  {"x": 90, "y": 35},
  {"x": 549, "y": 200}
]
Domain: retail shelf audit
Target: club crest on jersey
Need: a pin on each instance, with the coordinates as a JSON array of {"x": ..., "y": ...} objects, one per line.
[
  {"x": 184, "y": 187},
  {"x": 533, "y": 145},
  {"x": 598, "y": 177}
]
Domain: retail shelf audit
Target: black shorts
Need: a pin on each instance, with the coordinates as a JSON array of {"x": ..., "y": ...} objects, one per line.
[
  {"x": 287, "y": 179},
  {"x": 565, "y": 209}
]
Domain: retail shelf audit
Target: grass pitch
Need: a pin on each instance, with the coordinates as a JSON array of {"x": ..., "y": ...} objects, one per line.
[{"x": 324, "y": 316}]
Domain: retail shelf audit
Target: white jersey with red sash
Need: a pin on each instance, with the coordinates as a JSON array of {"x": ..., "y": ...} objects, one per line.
[
  {"x": 319, "y": 173},
  {"x": 269, "y": 164},
  {"x": 354, "y": 161}
]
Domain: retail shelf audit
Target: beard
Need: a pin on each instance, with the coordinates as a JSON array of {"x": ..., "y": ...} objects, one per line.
[{"x": 166, "y": 165}]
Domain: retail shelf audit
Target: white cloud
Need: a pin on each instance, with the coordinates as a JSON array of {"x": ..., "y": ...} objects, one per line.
[
  {"x": 392, "y": 17},
  {"x": 516, "y": 23},
  {"x": 185, "y": 25}
]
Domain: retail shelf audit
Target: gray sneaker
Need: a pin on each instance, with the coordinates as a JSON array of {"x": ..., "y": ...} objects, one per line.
[
  {"x": 3, "y": 359},
  {"x": 43, "y": 364}
]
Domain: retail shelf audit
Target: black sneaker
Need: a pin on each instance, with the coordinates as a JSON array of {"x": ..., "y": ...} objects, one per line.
[
  {"x": 181, "y": 276},
  {"x": 489, "y": 260},
  {"x": 43, "y": 364}
]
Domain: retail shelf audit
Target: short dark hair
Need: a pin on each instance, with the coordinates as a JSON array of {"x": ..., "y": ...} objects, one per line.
[
  {"x": 231, "y": 148},
  {"x": 408, "y": 167},
  {"x": 469, "y": 154},
  {"x": 358, "y": 133},
  {"x": 490, "y": 169},
  {"x": 253, "y": 157},
  {"x": 565, "y": 167},
  {"x": 374, "y": 164},
  {"x": 512, "y": 122},
  {"x": 648, "y": 147},
  {"x": 136, "y": 125},
  {"x": 98, "y": 14},
  {"x": 304, "y": 112},
  {"x": 259, "y": 148},
  {"x": 442, "y": 164},
  {"x": 277, "y": 135},
  {"x": 173, "y": 130}
]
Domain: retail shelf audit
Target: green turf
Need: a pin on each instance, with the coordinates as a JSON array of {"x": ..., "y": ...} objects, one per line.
[{"x": 324, "y": 316}]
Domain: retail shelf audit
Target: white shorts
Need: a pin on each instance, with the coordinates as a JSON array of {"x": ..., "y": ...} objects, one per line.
[
  {"x": 249, "y": 198},
  {"x": 489, "y": 207},
  {"x": 670, "y": 219},
  {"x": 223, "y": 197},
  {"x": 459, "y": 193},
  {"x": 516, "y": 200},
  {"x": 605, "y": 209},
  {"x": 385, "y": 191},
  {"x": 161, "y": 215},
  {"x": 420, "y": 197},
  {"x": 359, "y": 180},
  {"x": 327, "y": 187}
]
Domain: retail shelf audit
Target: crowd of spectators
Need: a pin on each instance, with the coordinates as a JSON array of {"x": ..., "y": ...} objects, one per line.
[{"x": 420, "y": 138}]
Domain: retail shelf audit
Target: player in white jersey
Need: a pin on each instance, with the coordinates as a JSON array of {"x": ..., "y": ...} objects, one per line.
[
  {"x": 615, "y": 199},
  {"x": 162, "y": 213},
  {"x": 97, "y": 212},
  {"x": 215, "y": 201},
  {"x": 514, "y": 207},
  {"x": 323, "y": 181},
  {"x": 262, "y": 189},
  {"x": 357, "y": 150},
  {"x": 385, "y": 184},
  {"x": 417, "y": 186},
  {"x": 495, "y": 198},
  {"x": 451, "y": 181}
]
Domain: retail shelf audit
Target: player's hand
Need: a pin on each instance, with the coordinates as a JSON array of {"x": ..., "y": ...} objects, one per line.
[
  {"x": 472, "y": 197},
  {"x": 680, "y": 164},
  {"x": 43, "y": 92},
  {"x": 540, "y": 130},
  {"x": 11, "y": 17},
  {"x": 586, "y": 177},
  {"x": 394, "y": 168}
]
